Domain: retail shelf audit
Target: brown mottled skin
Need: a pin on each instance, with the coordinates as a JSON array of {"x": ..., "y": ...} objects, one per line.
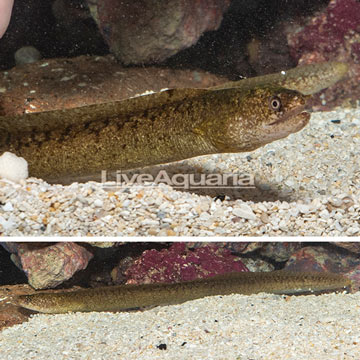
[
  {"x": 164, "y": 127},
  {"x": 125, "y": 297},
  {"x": 307, "y": 79}
]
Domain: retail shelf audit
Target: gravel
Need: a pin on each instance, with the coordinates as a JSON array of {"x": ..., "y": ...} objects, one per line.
[
  {"x": 235, "y": 327},
  {"x": 306, "y": 184}
]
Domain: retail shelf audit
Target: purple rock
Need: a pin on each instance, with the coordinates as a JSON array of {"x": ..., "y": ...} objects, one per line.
[
  {"x": 180, "y": 264},
  {"x": 332, "y": 35},
  {"x": 328, "y": 32}
]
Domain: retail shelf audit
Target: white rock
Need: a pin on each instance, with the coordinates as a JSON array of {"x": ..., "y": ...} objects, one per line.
[
  {"x": 324, "y": 214},
  {"x": 336, "y": 202},
  {"x": 304, "y": 209},
  {"x": 244, "y": 212},
  {"x": 353, "y": 230},
  {"x": 98, "y": 203},
  {"x": 205, "y": 216},
  {"x": 338, "y": 226},
  {"x": 219, "y": 213},
  {"x": 167, "y": 220},
  {"x": 7, "y": 225},
  {"x": 262, "y": 207},
  {"x": 8, "y": 207},
  {"x": 204, "y": 206},
  {"x": 283, "y": 225},
  {"x": 12, "y": 167},
  {"x": 126, "y": 203},
  {"x": 284, "y": 205},
  {"x": 294, "y": 212}
]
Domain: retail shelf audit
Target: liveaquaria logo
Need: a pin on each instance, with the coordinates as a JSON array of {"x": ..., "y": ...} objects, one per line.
[{"x": 182, "y": 181}]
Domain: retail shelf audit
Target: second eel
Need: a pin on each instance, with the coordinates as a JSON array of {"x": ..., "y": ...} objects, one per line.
[
  {"x": 125, "y": 297},
  {"x": 71, "y": 144}
]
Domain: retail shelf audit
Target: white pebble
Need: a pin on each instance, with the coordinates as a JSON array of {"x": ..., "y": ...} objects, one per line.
[
  {"x": 304, "y": 209},
  {"x": 324, "y": 214},
  {"x": 353, "y": 230},
  {"x": 338, "y": 226},
  {"x": 205, "y": 216},
  {"x": 8, "y": 207},
  {"x": 244, "y": 212},
  {"x": 294, "y": 212},
  {"x": 12, "y": 167},
  {"x": 98, "y": 203},
  {"x": 7, "y": 225}
]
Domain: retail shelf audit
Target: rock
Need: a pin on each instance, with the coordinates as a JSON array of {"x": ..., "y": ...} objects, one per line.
[
  {"x": 324, "y": 214},
  {"x": 139, "y": 32},
  {"x": 264, "y": 217},
  {"x": 8, "y": 206},
  {"x": 180, "y": 264},
  {"x": 354, "y": 247},
  {"x": 328, "y": 31},
  {"x": 13, "y": 167},
  {"x": 303, "y": 208},
  {"x": 280, "y": 251},
  {"x": 27, "y": 55},
  {"x": 331, "y": 34},
  {"x": 354, "y": 275},
  {"x": 245, "y": 212},
  {"x": 29, "y": 20},
  {"x": 243, "y": 247},
  {"x": 7, "y": 225},
  {"x": 353, "y": 230},
  {"x": 98, "y": 203},
  {"x": 313, "y": 258},
  {"x": 47, "y": 267}
]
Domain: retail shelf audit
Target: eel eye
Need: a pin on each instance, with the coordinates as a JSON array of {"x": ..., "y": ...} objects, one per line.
[{"x": 275, "y": 103}]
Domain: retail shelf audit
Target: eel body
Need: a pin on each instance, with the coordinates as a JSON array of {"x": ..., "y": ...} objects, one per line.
[
  {"x": 125, "y": 297},
  {"x": 176, "y": 124},
  {"x": 307, "y": 80}
]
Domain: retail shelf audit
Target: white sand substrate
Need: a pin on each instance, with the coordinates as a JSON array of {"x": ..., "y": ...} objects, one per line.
[
  {"x": 307, "y": 184},
  {"x": 234, "y": 327}
]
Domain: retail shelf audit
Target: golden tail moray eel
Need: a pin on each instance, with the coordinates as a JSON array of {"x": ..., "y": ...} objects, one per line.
[
  {"x": 70, "y": 144},
  {"x": 126, "y": 297}
]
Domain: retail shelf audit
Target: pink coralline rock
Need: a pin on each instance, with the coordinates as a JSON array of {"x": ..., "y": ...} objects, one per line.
[
  {"x": 332, "y": 35},
  {"x": 180, "y": 264},
  {"x": 47, "y": 267},
  {"x": 316, "y": 258},
  {"x": 331, "y": 32},
  {"x": 145, "y": 31}
]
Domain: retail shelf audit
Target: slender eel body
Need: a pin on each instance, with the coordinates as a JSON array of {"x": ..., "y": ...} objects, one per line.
[
  {"x": 124, "y": 297},
  {"x": 164, "y": 127},
  {"x": 307, "y": 80}
]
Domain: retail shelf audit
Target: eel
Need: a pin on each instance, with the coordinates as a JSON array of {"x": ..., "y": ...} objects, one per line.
[
  {"x": 307, "y": 79},
  {"x": 126, "y": 297},
  {"x": 70, "y": 144}
]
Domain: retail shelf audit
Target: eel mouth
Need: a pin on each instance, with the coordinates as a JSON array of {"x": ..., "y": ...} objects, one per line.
[{"x": 302, "y": 109}]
